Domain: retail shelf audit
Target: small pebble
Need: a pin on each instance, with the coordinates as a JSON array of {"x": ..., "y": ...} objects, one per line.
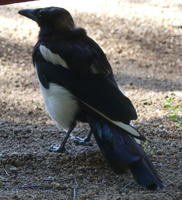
[{"x": 13, "y": 169}]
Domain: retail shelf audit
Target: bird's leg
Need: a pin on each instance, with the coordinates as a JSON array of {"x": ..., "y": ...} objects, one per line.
[
  {"x": 61, "y": 147},
  {"x": 84, "y": 141}
]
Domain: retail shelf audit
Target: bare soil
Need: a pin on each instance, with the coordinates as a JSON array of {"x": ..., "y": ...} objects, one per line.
[{"x": 145, "y": 50}]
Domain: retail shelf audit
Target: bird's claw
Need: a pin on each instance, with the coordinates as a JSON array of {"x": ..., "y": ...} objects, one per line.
[
  {"x": 58, "y": 149},
  {"x": 82, "y": 141}
]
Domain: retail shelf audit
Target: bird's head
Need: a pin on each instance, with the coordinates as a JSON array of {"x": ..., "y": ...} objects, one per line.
[{"x": 54, "y": 18}]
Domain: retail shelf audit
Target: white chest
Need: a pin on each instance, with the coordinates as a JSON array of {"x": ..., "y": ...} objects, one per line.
[
  {"x": 60, "y": 105},
  {"x": 59, "y": 102}
]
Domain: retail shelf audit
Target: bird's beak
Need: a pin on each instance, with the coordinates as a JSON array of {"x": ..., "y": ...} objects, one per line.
[{"x": 30, "y": 13}]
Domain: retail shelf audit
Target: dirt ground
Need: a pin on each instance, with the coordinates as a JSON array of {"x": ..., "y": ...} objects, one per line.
[{"x": 145, "y": 50}]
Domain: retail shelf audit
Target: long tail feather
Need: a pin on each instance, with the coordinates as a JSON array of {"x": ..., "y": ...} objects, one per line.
[{"x": 123, "y": 152}]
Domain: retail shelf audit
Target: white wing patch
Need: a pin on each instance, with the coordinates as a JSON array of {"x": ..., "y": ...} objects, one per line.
[
  {"x": 122, "y": 125},
  {"x": 49, "y": 56},
  {"x": 137, "y": 141}
]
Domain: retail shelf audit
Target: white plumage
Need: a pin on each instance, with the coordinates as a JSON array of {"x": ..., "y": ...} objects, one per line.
[
  {"x": 52, "y": 57},
  {"x": 60, "y": 105}
]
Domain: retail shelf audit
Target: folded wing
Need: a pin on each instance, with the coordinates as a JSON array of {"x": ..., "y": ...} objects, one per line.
[{"x": 96, "y": 92}]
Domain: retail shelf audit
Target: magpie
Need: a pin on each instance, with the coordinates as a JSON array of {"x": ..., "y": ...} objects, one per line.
[{"x": 78, "y": 85}]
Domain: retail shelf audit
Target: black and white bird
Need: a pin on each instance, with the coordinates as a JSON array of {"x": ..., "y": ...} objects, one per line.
[{"x": 77, "y": 84}]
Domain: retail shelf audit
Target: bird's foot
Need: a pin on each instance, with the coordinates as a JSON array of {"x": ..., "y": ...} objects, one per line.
[
  {"x": 82, "y": 141},
  {"x": 58, "y": 149}
]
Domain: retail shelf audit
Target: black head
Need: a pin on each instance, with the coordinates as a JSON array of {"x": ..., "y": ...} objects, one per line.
[{"x": 54, "y": 18}]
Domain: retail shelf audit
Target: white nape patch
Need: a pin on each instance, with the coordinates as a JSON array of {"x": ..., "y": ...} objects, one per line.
[
  {"x": 122, "y": 125},
  {"x": 60, "y": 105},
  {"x": 54, "y": 58}
]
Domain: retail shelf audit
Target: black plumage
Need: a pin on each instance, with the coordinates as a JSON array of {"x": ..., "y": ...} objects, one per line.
[{"x": 68, "y": 62}]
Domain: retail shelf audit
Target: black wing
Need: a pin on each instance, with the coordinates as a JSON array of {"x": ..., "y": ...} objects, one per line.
[{"x": 95, "y": 91}]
